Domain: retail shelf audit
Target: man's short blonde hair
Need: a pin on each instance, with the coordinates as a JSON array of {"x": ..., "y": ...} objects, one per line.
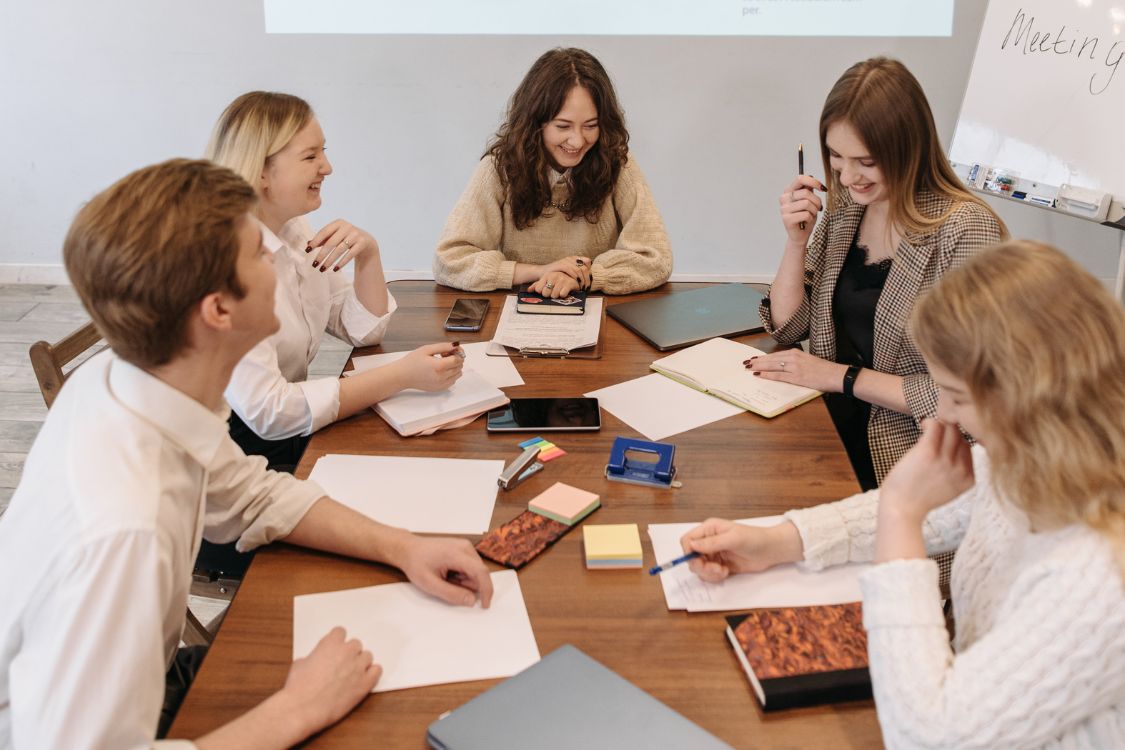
[{"x": 147, "y": 249}]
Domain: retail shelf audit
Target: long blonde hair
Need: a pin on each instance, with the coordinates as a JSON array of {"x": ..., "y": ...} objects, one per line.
[
  {"x": 885, "y": 105},
  {"x": 1040, "y": 344},
  {"x": 254, "y": 127}
]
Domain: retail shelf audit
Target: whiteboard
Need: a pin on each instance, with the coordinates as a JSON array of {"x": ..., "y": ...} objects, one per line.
[{"x": 1046, "y": 95}]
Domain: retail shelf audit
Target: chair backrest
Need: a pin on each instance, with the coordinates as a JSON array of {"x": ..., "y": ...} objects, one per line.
[{"x": 48, "y": 359}]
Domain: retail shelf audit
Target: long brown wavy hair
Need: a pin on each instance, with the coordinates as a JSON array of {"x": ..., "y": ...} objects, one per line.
[
  {"x": 517, "y": 147},
  {"x": 886, "y": 106},
  {"x": 1040, "y": 344}
]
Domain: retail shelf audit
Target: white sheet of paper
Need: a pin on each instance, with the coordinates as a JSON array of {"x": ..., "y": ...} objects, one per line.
[
  {"x": 559, "y": 331},
  {"x": 783, "y": 586},
  {"x": 499, "y": 371},
  {"x": 658, "y": 407},
  {"x": 420, "y": 640},
  {"x": 424, "y": 495}
]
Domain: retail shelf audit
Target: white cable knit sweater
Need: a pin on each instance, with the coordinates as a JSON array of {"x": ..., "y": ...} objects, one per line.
[{"x": 1039, "y": 657}]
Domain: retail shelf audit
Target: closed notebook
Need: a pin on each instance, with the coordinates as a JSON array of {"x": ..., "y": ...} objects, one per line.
[
  {"x": 715, "y": 367},
  {"x": 567, "y": 701},
  {"x": 536, "y": 304},
  {"x": 801, "y": 656},
  {"x": 564, "y": 503},
  {"x": 413, "y": 412}
]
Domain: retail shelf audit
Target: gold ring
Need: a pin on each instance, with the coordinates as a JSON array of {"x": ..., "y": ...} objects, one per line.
[{"x": 549, "y": 285}]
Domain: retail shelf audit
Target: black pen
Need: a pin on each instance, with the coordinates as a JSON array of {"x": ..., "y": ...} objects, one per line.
[{"x": 801, "y": 169}]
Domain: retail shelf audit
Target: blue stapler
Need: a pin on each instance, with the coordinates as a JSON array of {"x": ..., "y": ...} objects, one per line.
[{"x": 642, "y": 462}]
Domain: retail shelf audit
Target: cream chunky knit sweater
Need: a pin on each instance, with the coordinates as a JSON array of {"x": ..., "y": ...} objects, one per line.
[
  {"x": 1039, "y": 657},
  {"x": 480, "y": 246}
]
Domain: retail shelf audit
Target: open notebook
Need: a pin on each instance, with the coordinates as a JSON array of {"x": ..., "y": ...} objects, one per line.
[{"x": 715, "y": 367}]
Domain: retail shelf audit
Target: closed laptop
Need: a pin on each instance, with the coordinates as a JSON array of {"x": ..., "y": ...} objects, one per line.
[
  {"x": 684, "y": 318},
  {"x": 566, "y": 701}
]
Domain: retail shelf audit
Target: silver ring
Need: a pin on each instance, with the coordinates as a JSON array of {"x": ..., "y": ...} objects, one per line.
[
  {"x": 549, "y": 285},
  {"x": 782, "y": 365},
  {"x": 347, "y": 245}
]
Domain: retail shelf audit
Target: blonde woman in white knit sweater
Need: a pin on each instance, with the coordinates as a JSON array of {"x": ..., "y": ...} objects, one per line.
[
  {"x": 1029, "y": 353},
  {"x": 557, "y": 201}
]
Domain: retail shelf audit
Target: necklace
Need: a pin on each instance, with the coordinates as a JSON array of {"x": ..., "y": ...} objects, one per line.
[{"x": 564, "y": 206}]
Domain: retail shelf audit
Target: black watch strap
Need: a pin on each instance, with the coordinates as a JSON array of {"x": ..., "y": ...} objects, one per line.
[{"x": 849, "y": 380}]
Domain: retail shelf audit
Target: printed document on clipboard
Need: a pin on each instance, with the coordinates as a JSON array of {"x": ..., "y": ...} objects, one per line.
[{"x": 574, "y": 336}]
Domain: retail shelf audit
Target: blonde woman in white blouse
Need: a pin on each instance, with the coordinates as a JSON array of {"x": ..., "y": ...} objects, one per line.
[
  {"x": 276, "y": 144},
  {"x": 1028, "y": 352}
]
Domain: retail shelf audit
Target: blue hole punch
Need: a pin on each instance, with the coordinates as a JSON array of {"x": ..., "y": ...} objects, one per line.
[{"x": 642, "y": 462}]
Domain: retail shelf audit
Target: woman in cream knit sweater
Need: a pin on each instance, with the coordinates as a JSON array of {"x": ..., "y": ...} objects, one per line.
[
  {"x": 557, "y": 201},
  {"x": 1028, "y": 351}
]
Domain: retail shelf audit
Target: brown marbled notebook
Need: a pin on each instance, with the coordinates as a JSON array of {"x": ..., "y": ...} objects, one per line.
[{"x": 799, "y": 656}]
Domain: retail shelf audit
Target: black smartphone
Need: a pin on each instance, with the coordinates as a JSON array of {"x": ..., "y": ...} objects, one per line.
[
  {"x": 546, "y": 415},
  {"x": 467, "y": 314}
]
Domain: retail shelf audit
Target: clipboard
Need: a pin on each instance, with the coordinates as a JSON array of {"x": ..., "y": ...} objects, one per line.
[{"x": 496, "y": 349}]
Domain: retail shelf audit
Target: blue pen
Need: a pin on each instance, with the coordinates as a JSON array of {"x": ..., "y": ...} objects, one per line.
[{"x": 672, "y": 563}]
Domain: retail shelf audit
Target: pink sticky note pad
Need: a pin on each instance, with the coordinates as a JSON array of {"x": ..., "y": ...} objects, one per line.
[{"x": 564, "y": 503}]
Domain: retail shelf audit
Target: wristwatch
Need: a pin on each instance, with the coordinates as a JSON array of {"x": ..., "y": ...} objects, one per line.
[{"x": 849, "y": 381}]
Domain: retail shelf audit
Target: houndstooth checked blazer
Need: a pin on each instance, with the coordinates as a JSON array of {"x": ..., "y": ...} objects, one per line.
[{"x": 919, "y": 263}]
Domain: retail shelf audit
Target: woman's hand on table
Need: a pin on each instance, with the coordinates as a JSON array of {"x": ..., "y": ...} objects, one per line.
[
  {"x": 726, "y": 548},
  {"x": 562, "y": 277},
  {"x": 798, "y": 367},
  {"x": 339, "y": 243}
]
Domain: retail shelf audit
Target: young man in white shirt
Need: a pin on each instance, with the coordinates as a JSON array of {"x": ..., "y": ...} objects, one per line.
[{"x": 134, "y": 465}]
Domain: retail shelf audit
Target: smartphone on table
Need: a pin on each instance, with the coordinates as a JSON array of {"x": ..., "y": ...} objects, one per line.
[
  {"x": 546, "y": 415},
  {"x": 467, "y": 314}
]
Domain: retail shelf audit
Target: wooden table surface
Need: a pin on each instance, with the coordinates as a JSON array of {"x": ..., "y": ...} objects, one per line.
[{"x": 739, "y": 467}]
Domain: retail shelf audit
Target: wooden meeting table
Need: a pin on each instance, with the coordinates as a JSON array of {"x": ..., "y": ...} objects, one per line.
[{"x": 738, "y": 467}]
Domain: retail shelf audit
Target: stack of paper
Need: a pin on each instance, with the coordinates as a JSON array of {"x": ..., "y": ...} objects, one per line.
[
  {"x": 423, "y": 495},
  {"x": 781, "y": 586},
  {"x": 568, "y": 332},
  {"x": 420, "y": 640},
  {"x": 565, "y": 504},
  {"x": 612, "y": 546}
]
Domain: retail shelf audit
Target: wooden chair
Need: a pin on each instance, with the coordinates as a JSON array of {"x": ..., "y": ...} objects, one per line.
[{"x": 48, "y": 361}]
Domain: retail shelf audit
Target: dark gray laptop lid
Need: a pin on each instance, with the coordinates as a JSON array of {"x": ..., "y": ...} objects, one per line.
[
  {"x": 684, "y": 318},
  {"x": 566, "y": 701}
]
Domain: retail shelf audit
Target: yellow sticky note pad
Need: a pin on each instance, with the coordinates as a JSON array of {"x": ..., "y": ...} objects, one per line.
[{"x": 612, "y": 545}]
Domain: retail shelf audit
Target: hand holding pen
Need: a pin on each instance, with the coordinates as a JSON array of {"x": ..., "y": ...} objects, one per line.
[{"x": 799, "y": 204}]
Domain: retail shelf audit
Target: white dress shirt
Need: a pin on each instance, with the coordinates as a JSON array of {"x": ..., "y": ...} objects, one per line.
[
  {"x": 97, "y": 548},
  {"x": 270, "y": 389}
]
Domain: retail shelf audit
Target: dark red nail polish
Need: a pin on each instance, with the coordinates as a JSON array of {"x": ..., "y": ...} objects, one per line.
[
  {"x": 757, "y": 374},
  {"x": 316, "y": 263},
  {"x": 335, "y": 268},
  {"x": 323, "y": 269},
  {"x": 308, "y": 247}
]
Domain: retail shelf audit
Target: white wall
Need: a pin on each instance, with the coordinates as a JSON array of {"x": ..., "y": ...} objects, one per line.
[{"x": 92, "y": 90}]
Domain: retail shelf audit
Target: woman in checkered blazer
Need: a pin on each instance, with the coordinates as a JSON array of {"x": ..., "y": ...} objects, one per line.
[{"x": 895, "y": 219}]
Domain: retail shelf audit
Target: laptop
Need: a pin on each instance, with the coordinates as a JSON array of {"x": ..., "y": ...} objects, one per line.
[
  {"x": 685, "y": 318},
  {"x": 565, "y": 701}
]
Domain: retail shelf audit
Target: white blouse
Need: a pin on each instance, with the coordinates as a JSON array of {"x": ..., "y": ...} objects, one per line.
[
  {"x": 270, "y": 390},
  {"x": 97, "y": 548}
]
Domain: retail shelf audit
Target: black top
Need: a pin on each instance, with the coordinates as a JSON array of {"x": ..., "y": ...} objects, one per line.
[{"x": 853, "y": 313}]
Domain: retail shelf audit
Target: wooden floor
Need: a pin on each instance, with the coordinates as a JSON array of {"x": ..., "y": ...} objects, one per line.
[{"x": 32, "y": 312}]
